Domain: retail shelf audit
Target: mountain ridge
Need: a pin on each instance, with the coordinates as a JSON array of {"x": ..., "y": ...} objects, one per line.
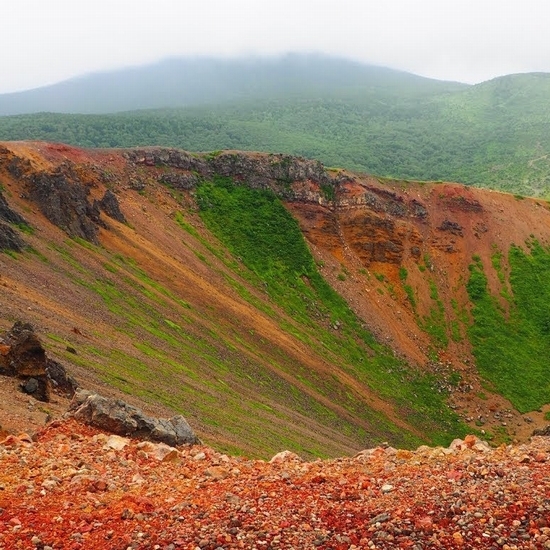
[
  {"x": 201, "y": 81},
  {"x": 369, "y": 119}
]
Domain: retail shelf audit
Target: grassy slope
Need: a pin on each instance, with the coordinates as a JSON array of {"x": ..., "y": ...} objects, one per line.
[
  {"x": 282, "y": 361},
  {"x": 511, "y": 333},
  {"x": 255, "y": 372},
  {"x": 255, "y": 226}
]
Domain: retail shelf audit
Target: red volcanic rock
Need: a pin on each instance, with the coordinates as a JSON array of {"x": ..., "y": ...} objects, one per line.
[
  {"x": 22, "y": 355},
  {"x": 69, "y": 490}
]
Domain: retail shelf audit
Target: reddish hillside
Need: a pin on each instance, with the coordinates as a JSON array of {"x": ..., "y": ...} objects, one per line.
[
  {"x": 378, "y": 228},
  {"x": 377, "y": 242}
]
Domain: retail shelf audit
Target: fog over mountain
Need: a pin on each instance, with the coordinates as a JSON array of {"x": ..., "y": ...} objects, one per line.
[{"x": 183, "y": 82}]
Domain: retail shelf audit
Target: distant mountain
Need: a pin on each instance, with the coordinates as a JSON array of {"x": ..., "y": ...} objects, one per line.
[{"x": 199, "y": 81}]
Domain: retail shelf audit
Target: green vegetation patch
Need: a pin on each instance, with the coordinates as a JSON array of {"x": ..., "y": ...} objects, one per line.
[
  {"x": 494, "y": 134},
  {"x": 512, "y": 349},
  {"x": 435, "y": 323}
]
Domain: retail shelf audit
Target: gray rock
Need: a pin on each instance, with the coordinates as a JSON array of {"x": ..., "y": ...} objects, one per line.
[
  {"x": 10, "y": 239},
  {"x": 30, "y": 386},
  {"x": 180, "y": 180},
  {"x": 61, "y": 381},
  {"x": 262, "y": 171},
  {"x": 452, "y": 227},
  {"x": 63, "y": 199},
  {"x": 121, "y": 418},
  {"x": 542, "y": 431},
  {"x": 7, "y": 214},
  {"x": 109, "y": 205},
  {"x": 275, "y": 172}
]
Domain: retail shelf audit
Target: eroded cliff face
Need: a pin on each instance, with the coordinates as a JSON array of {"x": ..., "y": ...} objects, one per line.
[{"x": 399, "y": 250}]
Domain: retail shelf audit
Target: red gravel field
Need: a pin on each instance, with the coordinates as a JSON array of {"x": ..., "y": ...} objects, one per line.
[{"x": 77, "y": 488}]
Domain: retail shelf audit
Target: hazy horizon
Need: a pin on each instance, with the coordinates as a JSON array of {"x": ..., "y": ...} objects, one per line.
[{"x": 49, "y": 41}]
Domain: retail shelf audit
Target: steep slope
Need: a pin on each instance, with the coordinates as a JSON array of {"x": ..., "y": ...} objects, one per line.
[{"x": 182, "y": 281}]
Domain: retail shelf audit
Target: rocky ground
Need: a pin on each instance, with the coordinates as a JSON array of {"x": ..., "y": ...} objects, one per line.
[
  {"x": 74, "y": 487},
  {"x": 20, "y": 412}
]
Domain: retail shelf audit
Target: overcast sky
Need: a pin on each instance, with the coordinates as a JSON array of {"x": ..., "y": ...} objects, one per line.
[{"x": 46, "y": 41}]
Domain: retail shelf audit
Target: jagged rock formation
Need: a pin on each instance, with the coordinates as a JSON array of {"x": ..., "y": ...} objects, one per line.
[
  {"x": 7, "y": 214},
  {"x": 65, "y": 203},
  {"x": 9, "y": 238},
  {"x": 109, "y": 205},
  {"x": 22, "y": 355},
  {"x": 62, "y": 193},
  {"x": 275, "y": 172},
  {"x": 118, "y": 417}
]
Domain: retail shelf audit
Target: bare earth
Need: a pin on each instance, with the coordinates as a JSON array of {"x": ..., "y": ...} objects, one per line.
[{"x": 21, "y": 413}]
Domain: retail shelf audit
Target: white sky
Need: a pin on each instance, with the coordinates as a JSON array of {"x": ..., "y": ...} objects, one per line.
[{"x": 45, "y": 41}]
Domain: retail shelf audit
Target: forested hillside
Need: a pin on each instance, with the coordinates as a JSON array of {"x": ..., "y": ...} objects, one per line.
[{"x": 495, "y": 134}]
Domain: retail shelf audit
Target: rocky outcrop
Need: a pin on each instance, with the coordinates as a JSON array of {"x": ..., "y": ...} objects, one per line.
[
  {"x": 9, "y": 237},
  {"x": 15, "y": 165},
  {"x": 22, "y": 355},
  {"x": 118, "y": 417},
  {"x": 64, "y": 201},
  {"x": 278, "y": 173},
  {"x": 61, "y": 381},
  {"x": 462, "y": 201},
  {"x": 109, "y": 205},
  {"x": 380, "y": 200},
  {"x": 174, "y": 158},
  {"x": 7, "y": 214},
  {"x": 275, "y": 172},
  {"x": 181, "y": 181},
  {"x": 452, "y": 227}
]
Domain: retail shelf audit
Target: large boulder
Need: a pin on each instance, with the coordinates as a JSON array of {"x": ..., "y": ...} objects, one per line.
[
  {"x": 118, "y": 417},
  {"x": 22, "y": 355}
]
